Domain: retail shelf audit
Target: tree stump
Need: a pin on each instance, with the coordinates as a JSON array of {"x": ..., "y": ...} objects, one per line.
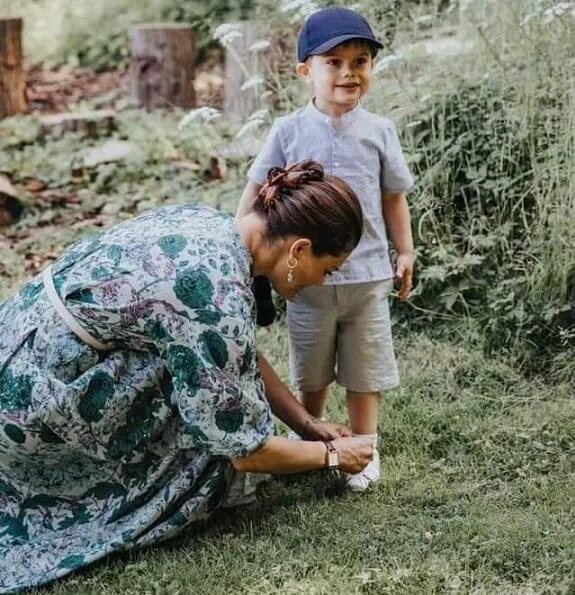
[
  {"x": 90, "y": 123},
  {"x": 162, "y": 65},
  {"x": 10, "y": 205},
  {"x": 247, "y": 62},
  {"x": 12, "y": 77}
]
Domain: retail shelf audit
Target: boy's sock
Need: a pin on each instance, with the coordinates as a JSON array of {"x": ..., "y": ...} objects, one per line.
[{"x": 265, "y": 308}]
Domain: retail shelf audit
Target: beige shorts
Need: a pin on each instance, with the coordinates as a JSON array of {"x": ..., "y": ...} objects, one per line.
[{"x": 343, "y": 333}]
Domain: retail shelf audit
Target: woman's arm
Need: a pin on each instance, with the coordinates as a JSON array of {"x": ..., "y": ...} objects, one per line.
[
  {"x": 285, "y": 406},
  {"x": 280, "y": 455},
  {"x": 282, "y": 401}
]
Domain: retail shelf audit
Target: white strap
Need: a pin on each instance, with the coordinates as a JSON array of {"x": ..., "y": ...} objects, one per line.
[{"x": 65, "y": 315}]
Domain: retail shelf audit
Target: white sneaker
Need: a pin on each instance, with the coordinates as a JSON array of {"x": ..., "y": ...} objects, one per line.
[{"x": 358, "y": 482}]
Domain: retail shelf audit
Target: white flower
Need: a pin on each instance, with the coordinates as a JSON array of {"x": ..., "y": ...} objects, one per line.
[
  {"x": 249, "y": 127},
  {"x": 257, "y": 119},
  {"x": 202, "y": 114},
  {"x": 252, "y": 82},
  {"x": 384, "y": 63},
  {"x": 260, "y": 46},
  {"x": 293, "y": 5},
  {"x": 413, "y": 124},
  {"x": 261, "y": 114},
  {"x": 301, "y": 8},
  {"x": 226, "y": 33},
  {"x": 560, "y": 9}
]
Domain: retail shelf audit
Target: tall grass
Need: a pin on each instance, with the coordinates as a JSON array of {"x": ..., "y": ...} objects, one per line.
[{"x": 491, "y": 137}]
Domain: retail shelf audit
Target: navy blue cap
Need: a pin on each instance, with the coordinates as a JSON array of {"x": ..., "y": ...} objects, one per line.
[{"x": 326, "y": 28}]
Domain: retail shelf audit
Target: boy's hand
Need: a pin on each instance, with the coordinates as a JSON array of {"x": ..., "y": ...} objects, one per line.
[{"x": 404, "y": 273}]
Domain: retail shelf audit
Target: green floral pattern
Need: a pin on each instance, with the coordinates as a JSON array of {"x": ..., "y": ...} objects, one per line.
[{"x": 103, "y": 452}]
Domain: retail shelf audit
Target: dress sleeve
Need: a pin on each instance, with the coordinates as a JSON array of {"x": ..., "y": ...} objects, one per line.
[{"x": 217, "y": 390}]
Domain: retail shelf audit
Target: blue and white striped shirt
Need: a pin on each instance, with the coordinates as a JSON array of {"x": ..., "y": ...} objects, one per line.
[{"x": 364, "y": 151}]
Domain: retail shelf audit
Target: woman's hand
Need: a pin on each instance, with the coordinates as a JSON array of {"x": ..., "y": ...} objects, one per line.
[
  {"x": 354, "y": 453},
  {"x": 316, "y": 429}
]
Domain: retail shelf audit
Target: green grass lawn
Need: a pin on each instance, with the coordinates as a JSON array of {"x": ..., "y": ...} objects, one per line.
[{"x": 476, "y": 497}]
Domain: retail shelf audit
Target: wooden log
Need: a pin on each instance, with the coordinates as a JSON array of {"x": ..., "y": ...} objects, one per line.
[
  {"x": 246, "y": 62},
  {"x": 90, "y": 123},
  {"x": 162, "y": 65},
  {"x": 12, "y": 77}
]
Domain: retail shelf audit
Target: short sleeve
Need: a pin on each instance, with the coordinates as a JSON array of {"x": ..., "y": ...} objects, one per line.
[
  {"x": 395, "y": 174},
  {"x": 270, "y": 155}
]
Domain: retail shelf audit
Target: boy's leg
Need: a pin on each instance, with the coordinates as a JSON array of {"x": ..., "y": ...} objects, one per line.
[
  {"x": 363, "y": 409},
  {"x": 366, "y": 362},
  {"x": 312, "y": 325}
]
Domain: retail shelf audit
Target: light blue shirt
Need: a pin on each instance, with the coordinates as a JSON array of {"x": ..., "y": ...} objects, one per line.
[{"x": 364, "y": 151}]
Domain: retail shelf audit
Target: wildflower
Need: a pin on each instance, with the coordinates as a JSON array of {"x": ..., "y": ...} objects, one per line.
[
  {"x": 226, "y": 33},
  {"x": 260, "y": 46},
  {"x": 202, "y": 114},
  {"x": 384, "y": 63},
  {"x": 252, "y": 82}
]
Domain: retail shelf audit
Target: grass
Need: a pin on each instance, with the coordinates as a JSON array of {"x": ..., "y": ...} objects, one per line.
[{"x": 476, "y": 498}]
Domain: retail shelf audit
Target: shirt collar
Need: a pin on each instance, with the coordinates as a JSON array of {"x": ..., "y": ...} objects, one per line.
[{"x": 346, "y": 118}]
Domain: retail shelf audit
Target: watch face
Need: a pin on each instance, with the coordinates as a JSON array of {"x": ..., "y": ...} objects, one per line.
[{"x": 332, "y": 459}]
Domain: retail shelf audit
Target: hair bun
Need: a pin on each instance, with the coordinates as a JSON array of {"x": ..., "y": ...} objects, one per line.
[{"x": 280, "y": 180}]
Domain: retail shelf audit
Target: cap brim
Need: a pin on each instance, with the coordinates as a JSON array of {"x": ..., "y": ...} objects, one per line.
[{"x": 331, "y": 43}]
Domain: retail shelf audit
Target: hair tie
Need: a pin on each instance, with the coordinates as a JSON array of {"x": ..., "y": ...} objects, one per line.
[{"x": 291, "y": 177}]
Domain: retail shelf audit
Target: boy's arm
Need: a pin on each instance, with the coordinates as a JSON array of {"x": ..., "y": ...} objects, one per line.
[
  {"x": 398, "y": 222},
  {"x": 248, "y": 198},
  {"x": 396, "y": 180},
  {"x": 271, "y": 155}
]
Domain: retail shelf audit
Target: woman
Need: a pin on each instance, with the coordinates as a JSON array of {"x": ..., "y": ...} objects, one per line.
[{"x": 130, "y": 388}]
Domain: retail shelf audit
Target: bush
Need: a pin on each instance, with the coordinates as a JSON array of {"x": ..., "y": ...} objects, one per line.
[{"x": 494, "y": 207}]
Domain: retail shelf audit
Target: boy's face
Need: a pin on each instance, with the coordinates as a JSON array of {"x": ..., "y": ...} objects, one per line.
[{"x": 340, "y": 77}]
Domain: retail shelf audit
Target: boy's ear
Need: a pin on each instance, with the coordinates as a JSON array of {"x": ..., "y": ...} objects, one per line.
[{"x": 302, "y": 69}]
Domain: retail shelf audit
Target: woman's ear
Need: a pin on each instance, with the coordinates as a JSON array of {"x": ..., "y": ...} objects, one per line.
[{"x": 300, "y": 247}]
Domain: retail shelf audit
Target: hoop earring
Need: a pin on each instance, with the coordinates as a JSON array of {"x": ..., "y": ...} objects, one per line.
[{"x": 291, "y": 265}]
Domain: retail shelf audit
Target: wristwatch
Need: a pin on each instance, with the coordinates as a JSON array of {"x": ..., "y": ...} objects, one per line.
[{"x": 331, "y": 455}]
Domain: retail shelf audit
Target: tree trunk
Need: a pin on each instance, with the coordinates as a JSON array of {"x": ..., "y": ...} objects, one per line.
[
  {"x": 12, "y": 78},
  {"x": 245, "y": 64},
  {"x": 162, "y": 67}
]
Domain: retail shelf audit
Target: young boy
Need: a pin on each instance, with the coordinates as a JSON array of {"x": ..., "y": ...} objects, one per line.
[{"x": 341, "y": 331}]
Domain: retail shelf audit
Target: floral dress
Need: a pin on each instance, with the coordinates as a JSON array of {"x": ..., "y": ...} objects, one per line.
[{"x": 106, "y": 451}]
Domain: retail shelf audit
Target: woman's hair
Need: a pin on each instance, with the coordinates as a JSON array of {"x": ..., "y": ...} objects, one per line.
[{"x": 302, "y": 200}]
